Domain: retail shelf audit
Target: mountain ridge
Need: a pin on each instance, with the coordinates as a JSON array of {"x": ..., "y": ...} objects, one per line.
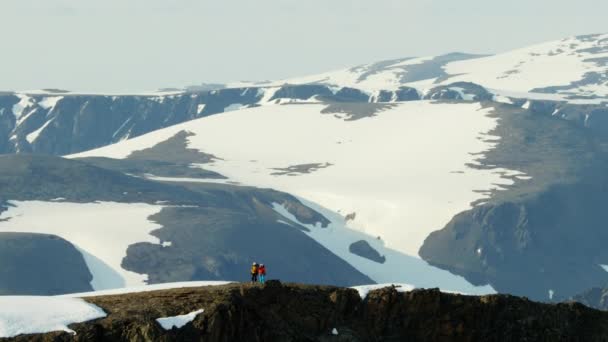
[{"x": 293, "y": 312}]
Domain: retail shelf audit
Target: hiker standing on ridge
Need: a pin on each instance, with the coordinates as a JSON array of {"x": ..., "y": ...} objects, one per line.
[
  {"x": 262, "y": 273},
  {"x": 254, "y": 272}
]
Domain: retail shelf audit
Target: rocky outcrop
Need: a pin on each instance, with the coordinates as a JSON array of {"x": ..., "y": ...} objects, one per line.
[
  {"x": 363, "y": 249},
  {"x": 40, "y": 264},
  {"x": 596, "y": 298},
  {"x": 276, "y": 312},
  {"x": 540, "y": 237},
  {"x": 547, "y": 245},
  {"x": 459, "y": 91}
]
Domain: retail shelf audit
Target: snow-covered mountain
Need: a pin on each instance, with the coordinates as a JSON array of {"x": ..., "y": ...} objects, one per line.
[
  {"x": 435, "y": 172},
  {"x": 56, "y": 122},
  {"x": 387, "y": 176},
  {"x": 572, "y": 68}
]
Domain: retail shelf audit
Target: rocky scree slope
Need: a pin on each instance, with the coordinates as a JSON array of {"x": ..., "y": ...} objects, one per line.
[{"x": 291, "y": 312}]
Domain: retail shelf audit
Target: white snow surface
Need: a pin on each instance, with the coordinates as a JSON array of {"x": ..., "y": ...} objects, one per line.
[
  {"x": 32, "y": 315},
  {"x": 148, "y": 288},
  {"x": 549, "y": 64},
  {"x": 387, "y": 78},
  {"x": 401, "y": 183},
  {"x": 200, "y": 108},
  {"x": 101, "y": 231},
  {"x": 394, "y": 170},
  {"x": 556, "y": 63},
  {"x": 178, "y": 321},
  {"x": 337, "y": 237},
  {"x": 234, "y": 106},
  {"x": 24, "y": 102},
  {"x": 50, "y": 102},
  {"x": 364, "y": 290},
  {"x": 34, "y": 135}
]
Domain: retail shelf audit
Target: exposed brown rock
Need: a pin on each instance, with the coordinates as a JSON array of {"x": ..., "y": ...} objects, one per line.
[{"x": 291, "y": 312}]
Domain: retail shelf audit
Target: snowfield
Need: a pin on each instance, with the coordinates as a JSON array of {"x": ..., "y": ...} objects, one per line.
[
  {"x": 550, "y": 64},
  {"x": 102, "y": 231},
  {"x": 403, "y": 173},
  {"x": 544, "y": 65},
  {"x": 33, "y": 315},
  {"x": 364, "y": 290},
  {"x": 42, "y": 314},
  {"x": 147, "y": 288},
  {"x": 368, "y": 78},
  {"x": 169, "y": 323},
  {"x": 409, "y": 271}
]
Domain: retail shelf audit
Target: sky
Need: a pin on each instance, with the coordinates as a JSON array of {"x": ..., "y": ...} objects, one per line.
[{"x": 142, "y": 45}]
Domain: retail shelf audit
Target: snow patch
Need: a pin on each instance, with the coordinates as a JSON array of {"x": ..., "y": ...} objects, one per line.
[
  {"x": 34, "y": 135},
  {"x": 102, "y": 231},
  {"x": 407, "y": 270},
  {"x": 463, "y": 94},
  {"x": 364, "y": 290},
  {"x": 178, "y": 322},
  {"x": 502, "y": 99},
  {"x": 37, "y": 315},
  {"x": 234, "y": 106},
  {"x": 147, "y": 288},
  {"x": 400, "y": 183},
  {"x": 200, "y": 108},
  {"x": 50, "y": 102}
]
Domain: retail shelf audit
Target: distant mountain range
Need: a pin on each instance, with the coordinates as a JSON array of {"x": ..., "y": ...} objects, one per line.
[{"x": 476, "y": 174}]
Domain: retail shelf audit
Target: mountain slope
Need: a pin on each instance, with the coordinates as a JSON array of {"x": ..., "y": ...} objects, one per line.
[
  {"x": 336, "y": 158},
  {"x": 39, "y": 264},
  {"x": 402, "y": 170},
  {"x": 390, "y": 176},
  {"x": 571, "y": 68},
  {"x": 122, "y": 225}
]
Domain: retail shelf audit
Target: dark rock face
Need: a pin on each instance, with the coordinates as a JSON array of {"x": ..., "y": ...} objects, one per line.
[
  {"x": 82, "y": 122},
  {"x": 596, "y": 298},
  {"x": 221, "y": 243},
  {"x": 364, "y": 250},
  {"x": 302, "y": 92},
  {"x": 593, "y": 117},
  {"x": 277, "y": 312},
  {"x": 38, "y": 264},
  {"x": 455, "y": 91},
  {"x": 215, "y": 230},
  {"x": 350, "y": 95},
  {"x": 443, "y": 93},
  {"x": 43, "y": 178},
  {"x": 399, "y": 95},
  {"x": 551, "y": 243},
  {"x": 407, "y": 94},
  {"x": 62, "y": 124}
]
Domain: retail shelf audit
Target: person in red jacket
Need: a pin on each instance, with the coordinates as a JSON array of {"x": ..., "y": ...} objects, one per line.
[{"x": 262, "y": 273}]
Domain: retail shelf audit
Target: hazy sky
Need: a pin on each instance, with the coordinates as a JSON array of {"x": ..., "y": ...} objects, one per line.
[{"x": 130, "y": 45}]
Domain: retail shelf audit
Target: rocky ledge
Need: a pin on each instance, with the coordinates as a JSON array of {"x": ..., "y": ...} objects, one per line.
[{"x": 291, "y": 312}]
